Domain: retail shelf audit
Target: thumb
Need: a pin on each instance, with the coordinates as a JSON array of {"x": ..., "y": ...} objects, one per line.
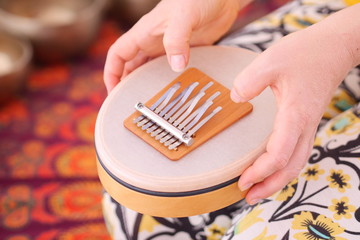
[
  {"x": 176, "y": 43},
  {"x": 250, "y": 83}
]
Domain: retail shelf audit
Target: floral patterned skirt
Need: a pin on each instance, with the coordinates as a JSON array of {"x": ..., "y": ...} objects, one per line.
[{"x": 323, "y": 203}]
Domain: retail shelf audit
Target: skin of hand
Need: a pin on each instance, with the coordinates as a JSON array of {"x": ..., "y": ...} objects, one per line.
[
  {"x": 171, "y": 27},
  {"x": 303, "y": 70}
]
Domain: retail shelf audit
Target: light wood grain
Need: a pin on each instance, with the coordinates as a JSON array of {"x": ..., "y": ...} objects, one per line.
[{"x": 170, "y": 206}]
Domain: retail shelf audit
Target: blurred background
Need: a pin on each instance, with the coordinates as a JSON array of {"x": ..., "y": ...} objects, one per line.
[{"x": 52, "y": 54}]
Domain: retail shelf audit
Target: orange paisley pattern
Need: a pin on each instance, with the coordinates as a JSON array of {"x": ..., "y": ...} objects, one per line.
[{"x": 49, "y": 187}]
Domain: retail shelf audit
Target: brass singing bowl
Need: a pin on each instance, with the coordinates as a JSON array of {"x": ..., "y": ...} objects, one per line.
[
  {"x": 58, "y": 29},
  {"x": 15, "y": 59}
]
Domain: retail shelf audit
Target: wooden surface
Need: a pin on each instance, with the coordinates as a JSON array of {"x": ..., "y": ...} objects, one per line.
[
  {"x": 230, "y": 113},
  {"x": 160, "y": 206}
]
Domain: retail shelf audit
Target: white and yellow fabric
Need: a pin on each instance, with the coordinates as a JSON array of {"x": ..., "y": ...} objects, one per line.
[{"x": 323, "y": 203}]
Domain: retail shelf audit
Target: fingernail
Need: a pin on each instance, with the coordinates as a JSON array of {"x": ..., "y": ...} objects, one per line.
[
  {"x": 254, "y": 201},
  {"x": 177, "y": 63},
  {"x": 235, "y": 96},
  {"x": 246, "y": 187}
]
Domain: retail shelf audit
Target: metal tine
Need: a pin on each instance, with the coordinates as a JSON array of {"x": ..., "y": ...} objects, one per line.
[
  {"x": 215, "y": 95},
  {"x": 193, "y": 130},
  {"x": 182, "y": 123},
  {"x": 167, "y": 137},
  {"x": 174, "y": 88},
  {"x": 183, "y": 96},
  {"x": 142, "y": 121},
  {"x": 202, "y": 122},
  {"x": 156, "y": 131},
  {"x": 167, "y": 108},
  {"x": 173, "y": 102},
  {"x": 189, "y": 108},
  {"x": 170, "y": 141},
  {"x": 162, "y": 113},
  {"x": 167, "y": 99},
  {"x": 147, "y": 125},
  {"x": 197, "y": 118},
  {"x": 174, "y": 145},
  {"x": 153, "y": 126},
  {"x": 192, "y": 102},
  {"x": 186, "y": 93},
  {"x": 161, "y": 135},
  {"x": 160, "y": 100},
  {"x": 196, "y": 115}
]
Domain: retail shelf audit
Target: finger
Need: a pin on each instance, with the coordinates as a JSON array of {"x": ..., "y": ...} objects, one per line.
[
  {"x": 280, "y": 147},
  {"x": 281, "y": 178},
  {"x": 131, "y": 65},
  {"x": 176, "y": 42},
  {"x": 251, "y": 82},
  {"x": 123, "y": 50}
]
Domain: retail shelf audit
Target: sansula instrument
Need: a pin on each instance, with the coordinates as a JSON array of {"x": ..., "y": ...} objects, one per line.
[{"x": 174, "y": 144}]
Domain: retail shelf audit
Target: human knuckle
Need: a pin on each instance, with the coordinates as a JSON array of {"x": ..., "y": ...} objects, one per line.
[
  {"x": 174, "y": 45},
  {"x": 112, "y": 49},
  {"x": 305, "y": 118},
  {"x": 173, "y": 42},
  {"x": 243, "y": 92},
  {"x": 168, "y": 41},
  {"x": 241, "y": 89},
  {"x": 281, "y": 161}
]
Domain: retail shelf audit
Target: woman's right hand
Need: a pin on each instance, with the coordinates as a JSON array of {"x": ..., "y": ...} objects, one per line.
[{"x": 171, "y": 27}]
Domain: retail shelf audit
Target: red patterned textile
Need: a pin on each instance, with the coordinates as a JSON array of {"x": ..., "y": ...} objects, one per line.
[{"x": 49, "y": 187}]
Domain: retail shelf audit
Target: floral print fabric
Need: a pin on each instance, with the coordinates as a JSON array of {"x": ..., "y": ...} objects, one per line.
[{"x": 323, "y": 203}]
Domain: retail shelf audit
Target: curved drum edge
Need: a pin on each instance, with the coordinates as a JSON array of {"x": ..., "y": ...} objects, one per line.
[{"x": 161, "y": 206}]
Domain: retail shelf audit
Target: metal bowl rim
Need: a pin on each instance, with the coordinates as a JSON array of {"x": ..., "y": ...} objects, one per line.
[
  {"x": 96, "y": 6},
  {"x": 27, "y": 52}
]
